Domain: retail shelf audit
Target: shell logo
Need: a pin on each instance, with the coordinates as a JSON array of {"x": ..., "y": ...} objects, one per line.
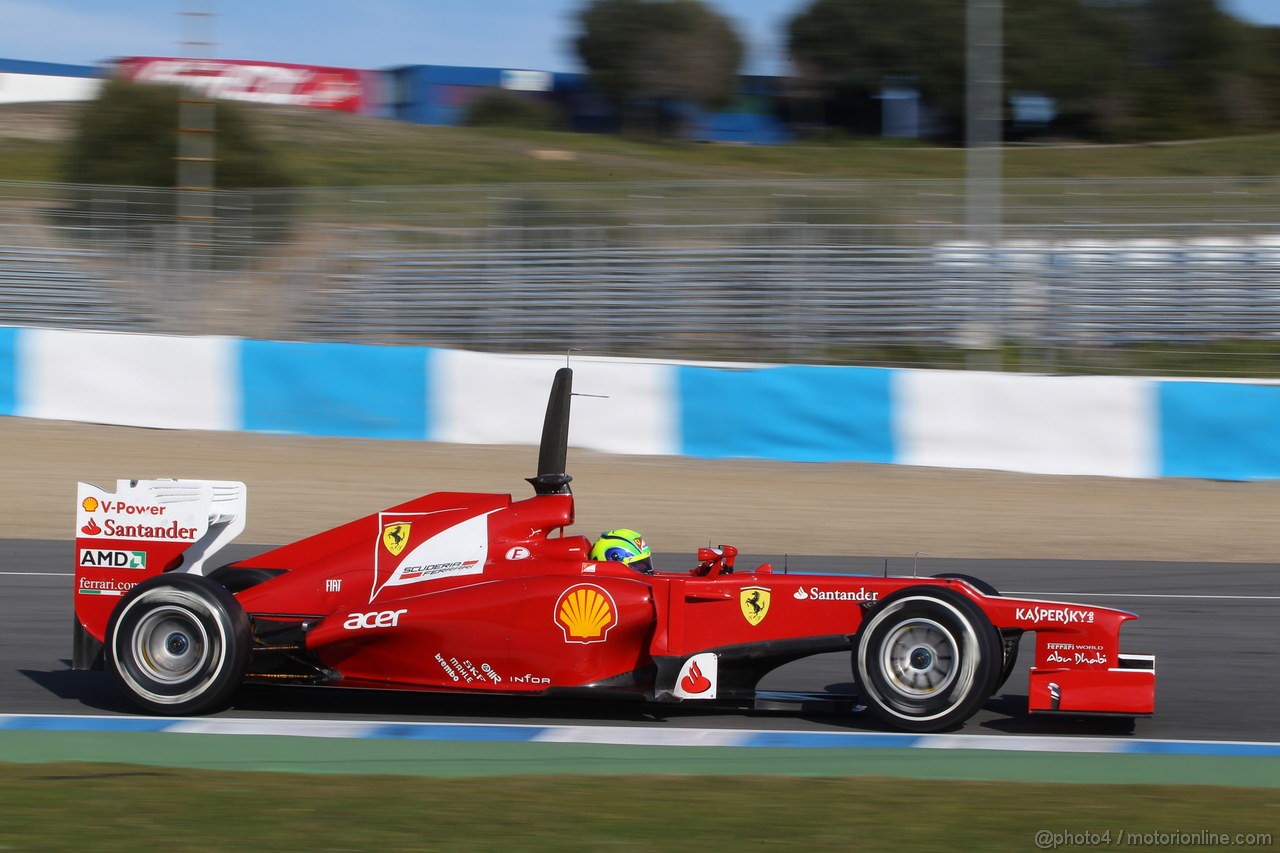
[
  {"x": 90, "y": 504},
  {"x": 585, "y": 613}
]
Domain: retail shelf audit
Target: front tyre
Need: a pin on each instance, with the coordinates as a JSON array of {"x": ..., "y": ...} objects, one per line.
[
  {"x": 1008, "y": 641},
  {"x": 926, "y": 659},
  {"x": 178, "y": 644}
]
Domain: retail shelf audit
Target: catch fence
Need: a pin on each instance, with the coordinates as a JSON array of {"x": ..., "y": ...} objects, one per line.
[{"x": 802, "y": 271}]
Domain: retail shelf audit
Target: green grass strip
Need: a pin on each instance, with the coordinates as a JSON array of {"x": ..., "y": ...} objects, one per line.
[
  {"x": 69, "y": 806},
  {"x": 458, "y": 759},
  {"x": 326, "y": 149}
]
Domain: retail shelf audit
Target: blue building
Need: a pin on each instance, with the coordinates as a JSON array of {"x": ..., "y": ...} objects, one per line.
[{"x": 442, "y": 95}]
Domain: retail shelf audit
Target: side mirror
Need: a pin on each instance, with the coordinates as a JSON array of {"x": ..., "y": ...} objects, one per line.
[{"x": 716, "y": 561}]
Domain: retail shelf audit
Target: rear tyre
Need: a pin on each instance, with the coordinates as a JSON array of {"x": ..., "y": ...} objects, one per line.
[
  {"x": 178, "y": 644},
  {"x": 237, "y": 579},
  {"x": 926, "y": 659}
]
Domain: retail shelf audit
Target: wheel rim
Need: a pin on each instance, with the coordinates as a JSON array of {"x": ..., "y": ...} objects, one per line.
[
  {"x": 169, "y": 646},
  {"x": 919, "y": 658}
]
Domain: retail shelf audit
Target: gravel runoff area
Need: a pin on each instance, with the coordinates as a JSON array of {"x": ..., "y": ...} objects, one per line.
[{"x": 302, "y": 485}]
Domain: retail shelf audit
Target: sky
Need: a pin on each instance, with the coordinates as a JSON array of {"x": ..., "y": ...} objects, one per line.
[{"x": 518, "y": 34}]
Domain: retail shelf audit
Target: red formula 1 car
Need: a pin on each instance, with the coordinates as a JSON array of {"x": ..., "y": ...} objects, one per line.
[{"x": 482, "y": 593}]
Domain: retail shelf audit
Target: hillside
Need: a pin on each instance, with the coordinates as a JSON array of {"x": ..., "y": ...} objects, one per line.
[{"x": 336, "y": 149}]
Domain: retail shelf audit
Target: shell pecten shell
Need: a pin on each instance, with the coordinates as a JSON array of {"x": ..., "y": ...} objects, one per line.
[{"x": 586, "y": 613}]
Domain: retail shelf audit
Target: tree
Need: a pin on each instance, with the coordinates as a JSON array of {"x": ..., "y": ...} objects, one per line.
[
  {"x": 652, "y": 54},
  {"x": 1138, "y": 69},
  {"x": 128, "y": 136},
  {"x": 1193, "y": 71},
  {"x": 1265, "y": 50},
  {"x": 1069, "y": 50},
  {"x": 854, "y": 47},
  {"x": 1075, "y": 52}
]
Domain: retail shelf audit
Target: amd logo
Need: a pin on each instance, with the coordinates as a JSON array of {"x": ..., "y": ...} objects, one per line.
[
  {"x": 377, "y": 619},
  {"x": 113, "y": 559}
]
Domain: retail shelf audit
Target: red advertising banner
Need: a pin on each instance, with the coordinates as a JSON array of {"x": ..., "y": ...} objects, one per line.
[{"x": 327, "y": 88}]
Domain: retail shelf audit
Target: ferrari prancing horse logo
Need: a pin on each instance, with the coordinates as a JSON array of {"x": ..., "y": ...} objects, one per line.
[
  {"x": 396, "y": 536},
  {"x": 754, "y": 601}
]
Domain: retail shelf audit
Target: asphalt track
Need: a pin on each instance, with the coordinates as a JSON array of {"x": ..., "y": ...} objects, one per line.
[{"x": 1211, "y": 626}]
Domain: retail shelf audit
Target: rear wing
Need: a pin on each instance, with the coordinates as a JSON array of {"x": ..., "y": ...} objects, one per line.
[{"x": 143, "y": 528}]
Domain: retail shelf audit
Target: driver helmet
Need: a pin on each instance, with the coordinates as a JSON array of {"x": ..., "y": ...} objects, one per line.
[{"x": 623, "y": 546}]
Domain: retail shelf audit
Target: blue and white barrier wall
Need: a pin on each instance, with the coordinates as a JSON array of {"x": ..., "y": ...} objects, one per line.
[{"x": 1122, "y": 427}]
